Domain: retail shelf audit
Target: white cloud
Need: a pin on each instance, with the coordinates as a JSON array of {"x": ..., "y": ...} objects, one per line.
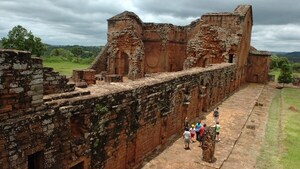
[
  {"x": 83, "y": 22},
  {"x": 276, "y": 37}
]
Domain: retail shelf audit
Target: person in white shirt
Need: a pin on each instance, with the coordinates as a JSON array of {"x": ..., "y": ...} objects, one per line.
[{"x": 187, "y": 138}]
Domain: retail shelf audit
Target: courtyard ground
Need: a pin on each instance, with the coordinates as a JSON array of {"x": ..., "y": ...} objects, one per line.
[{"x": 243, "y": 118}]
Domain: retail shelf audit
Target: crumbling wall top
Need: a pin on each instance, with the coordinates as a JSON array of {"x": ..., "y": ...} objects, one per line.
[
  {"x": 254, "y": 51},
  {"x": 125, "y": 16}
]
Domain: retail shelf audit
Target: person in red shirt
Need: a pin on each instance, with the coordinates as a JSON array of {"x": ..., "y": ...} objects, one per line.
[{"x": 201, "y": 132}]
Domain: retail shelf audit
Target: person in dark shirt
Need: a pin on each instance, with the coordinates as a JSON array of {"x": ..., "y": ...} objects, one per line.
[
  {"x": 216, "y": 114},
  {"x": 201, "y": 134}
]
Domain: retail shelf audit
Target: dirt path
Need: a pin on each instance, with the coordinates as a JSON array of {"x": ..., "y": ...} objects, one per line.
[{"x": 242, "y": 129}]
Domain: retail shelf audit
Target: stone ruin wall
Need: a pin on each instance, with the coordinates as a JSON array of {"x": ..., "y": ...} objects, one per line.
[
  {"x": 165, "y": 46},
  {"x": 221, "y": 36},
  {"x": 258, "y": 66},
  {"x": 103, "y": 126},
  {"x": 125, "y": 52},
  {"x": 296, "y": 81},
  {"x": 135, "y": 48},
  {"x": 112, "y": 125}
]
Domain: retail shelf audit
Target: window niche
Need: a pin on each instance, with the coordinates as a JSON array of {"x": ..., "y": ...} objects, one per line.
[
  {"x": 36, "y": 160},
  {"x": 78, "y": 166},
  {"x": 77, "y": 126}
]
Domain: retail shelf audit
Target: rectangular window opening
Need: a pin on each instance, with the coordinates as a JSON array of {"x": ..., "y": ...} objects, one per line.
[
  {"x": 230, "y": 58},
  {"x": 78, "y": 166},
  {"x": 35, "y": 161}
]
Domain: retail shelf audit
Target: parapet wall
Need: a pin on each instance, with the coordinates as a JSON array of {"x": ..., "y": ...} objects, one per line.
[
  {"x": 21, "y": 84},
  {"x": 113, "y": 125}
]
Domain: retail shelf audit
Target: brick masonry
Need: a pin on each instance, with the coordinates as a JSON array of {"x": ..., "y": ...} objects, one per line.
[
  {"x": 112, "y": 126},
  {"x": 47, "y": 122}
]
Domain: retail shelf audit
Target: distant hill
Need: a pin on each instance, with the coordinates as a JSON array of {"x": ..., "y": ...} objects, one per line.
[
  {"x": 292, "y": 56},
  {"x": 88, "y": 51}
]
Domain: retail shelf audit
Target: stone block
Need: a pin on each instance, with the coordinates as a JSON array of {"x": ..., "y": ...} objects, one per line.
[
  {"x": 5, "y": 66},
  {"x": 114, "y": 78},
  {"x": 26, "y": 72},
  {"x": 2, "y": 60},
  {"x": 37, "y": 97},
  {"x": 86, "y": 75},
  {"x": 36, "y": 81},
  {"x": 16, "y": 90},
  {"x": 37, "y": 102},
  {"x": 20, "y": 66}
]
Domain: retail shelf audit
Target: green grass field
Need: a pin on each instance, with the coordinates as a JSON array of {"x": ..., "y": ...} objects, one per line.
[
  {"x": 277, "y": 72},
  {"x": 64, "y": 67},
  {"x": 291, "y": 142},
  {"x": 281, "y": 146}
]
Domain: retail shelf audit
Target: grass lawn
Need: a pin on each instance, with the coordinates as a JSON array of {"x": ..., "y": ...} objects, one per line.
[
  {"x": 63, "y": 65},
  {"x": 65, "y": 68},
  {"x": 277, "y": 72},
  {"x": 291, "y": 142},
  {"x": 281, "y": 146}
]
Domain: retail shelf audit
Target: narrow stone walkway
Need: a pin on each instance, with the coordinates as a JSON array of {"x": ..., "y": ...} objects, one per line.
[{"x": 241, "y": 118}]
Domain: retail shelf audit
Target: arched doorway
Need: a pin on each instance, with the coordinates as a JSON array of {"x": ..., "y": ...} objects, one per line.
[{"x": 122, "y": 64}]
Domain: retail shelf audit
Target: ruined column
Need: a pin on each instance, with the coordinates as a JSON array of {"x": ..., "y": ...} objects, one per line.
[{"x": 208, "y": 146}]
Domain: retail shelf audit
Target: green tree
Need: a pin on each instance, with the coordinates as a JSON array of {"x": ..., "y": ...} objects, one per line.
[
  {"x": 282, "y": 61},
  {"x": 19, "y": 38},
  {"x": 77, "y": 51},
  {"x": 296, "y": 67},
  {"x": 61, "y": 52},
  {"x": 285, "y": 75},
  {"x": 274, "y": 62}
]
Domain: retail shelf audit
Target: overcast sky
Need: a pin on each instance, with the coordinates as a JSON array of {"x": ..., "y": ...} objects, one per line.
[{"x": 83, "y": 22}]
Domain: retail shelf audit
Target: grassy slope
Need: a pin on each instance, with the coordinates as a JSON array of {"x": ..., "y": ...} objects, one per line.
[
  {"x": 277, "y": 72},
  {"x": 63, "y": 66},
  {"x": 291, "y": 157},
  {"x": 270, "y": 149},
  {"x": 281, "y": 147}
]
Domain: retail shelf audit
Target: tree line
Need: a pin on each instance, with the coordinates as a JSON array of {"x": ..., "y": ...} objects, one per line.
[
  {"x": 286, "y": 68},
  {"x": 21, "y": 39}
]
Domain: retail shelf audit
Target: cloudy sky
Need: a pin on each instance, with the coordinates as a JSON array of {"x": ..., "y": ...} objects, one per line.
[{"x": 83, "y": 22}]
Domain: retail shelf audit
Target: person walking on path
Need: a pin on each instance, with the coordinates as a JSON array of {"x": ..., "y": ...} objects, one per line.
[
  {"x": 216, "y": 114},
  {"x": 201, "y": 134},
  {"x": 187, "y": 138},
  {"x": 186, "y": 124},
  {"x": 193, "y": 132},
  {"x": 197, "y": 128},
  {"x": 218, "y": 128}
]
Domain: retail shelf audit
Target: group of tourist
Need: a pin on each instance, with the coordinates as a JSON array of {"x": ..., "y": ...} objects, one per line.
[{"x": 195, "y": 133}]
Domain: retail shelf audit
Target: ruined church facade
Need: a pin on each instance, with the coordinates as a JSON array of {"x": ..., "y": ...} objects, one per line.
[
  {"x": 47, "y": 122},
  {"x": 135, "y": 48}
]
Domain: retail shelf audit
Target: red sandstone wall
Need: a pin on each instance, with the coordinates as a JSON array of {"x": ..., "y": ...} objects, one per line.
[
  {"x": 114, "y": 127},
  {"x": 158, "y": 113},
  {"x": 164, "y": 47},
  {"x": 257, "y": 71}
]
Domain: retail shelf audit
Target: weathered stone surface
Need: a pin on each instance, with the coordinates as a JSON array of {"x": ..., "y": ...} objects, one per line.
[
  {"x": 19, "y": 66},
  {"x": 85, "y": 75},
  {"x": 103, "y": 125},
  {"x": 208, "y": 146},
  {"x": 258, "y": 66},
  {"x": 296, "y": 81},
  {"x": 55, "y": 83}
]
